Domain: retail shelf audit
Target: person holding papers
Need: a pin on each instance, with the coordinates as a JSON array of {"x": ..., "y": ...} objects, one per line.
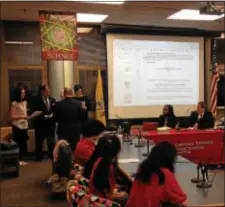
[
  {"x": 84, "y": 100},
  {"x": 44, "y": 123},
  {"x": 19, "y": 122},
  {"x": 201, "y": 118},
  {"x": 168, "y": 118}
]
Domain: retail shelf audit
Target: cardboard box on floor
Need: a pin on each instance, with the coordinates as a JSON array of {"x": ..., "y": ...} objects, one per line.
[{"x": 5, "y": 132}]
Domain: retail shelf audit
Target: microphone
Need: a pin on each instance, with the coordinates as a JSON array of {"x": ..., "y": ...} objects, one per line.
[
  {"x": 188, "y": 112},
  {"x": 187, "y": 117}
]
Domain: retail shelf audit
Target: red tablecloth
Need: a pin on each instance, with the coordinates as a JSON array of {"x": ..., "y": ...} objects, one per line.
[{"x": 206, "y": 146}]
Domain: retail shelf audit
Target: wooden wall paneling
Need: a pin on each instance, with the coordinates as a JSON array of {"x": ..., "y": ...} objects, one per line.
[
  {"x": 221, "y": 68},
  {"x": 90, "y": 67},
  {"x": 29, "y": 54},
  {"x": 76, "y": 73},
  {"x": 92, "y": 49},
  {"x": 26, "y": 67},
  {"x": 4, "y": 92},
  {"x": 30, "y": 78},
  {"x": 88, "y": 79}
]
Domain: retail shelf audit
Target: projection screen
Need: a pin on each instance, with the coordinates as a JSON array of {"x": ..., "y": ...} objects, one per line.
[{"x": 146, "y": 72}]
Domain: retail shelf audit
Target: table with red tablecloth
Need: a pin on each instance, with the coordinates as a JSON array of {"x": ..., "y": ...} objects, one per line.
[{"x": 205, "y": 146}]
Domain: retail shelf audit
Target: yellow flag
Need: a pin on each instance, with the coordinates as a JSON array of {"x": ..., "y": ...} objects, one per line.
[{"x": 100, "y": 105}]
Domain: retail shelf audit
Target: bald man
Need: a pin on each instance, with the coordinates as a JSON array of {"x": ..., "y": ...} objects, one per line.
[{"x": 69, "y": 114}]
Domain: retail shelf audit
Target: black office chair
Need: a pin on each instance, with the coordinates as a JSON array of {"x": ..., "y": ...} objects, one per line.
[
  {"x": 126, "y": 131},
  {"x": 9, "y": 158}
]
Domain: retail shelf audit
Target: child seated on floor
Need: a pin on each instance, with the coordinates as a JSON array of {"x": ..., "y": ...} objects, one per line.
[{"x": 86, "y": 146}]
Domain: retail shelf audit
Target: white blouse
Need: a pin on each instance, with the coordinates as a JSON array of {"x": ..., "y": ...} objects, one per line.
[{"x": 20, "y": 109}]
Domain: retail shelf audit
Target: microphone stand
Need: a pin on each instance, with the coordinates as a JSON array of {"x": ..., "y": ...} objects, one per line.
[
  {"x": 197, "y": 179},
  {"x": 126, "y": 132},
  {"x": 139, "y": 144},
  {"x": 205, "y": 183},
  {"x": 148, "y": 151}
]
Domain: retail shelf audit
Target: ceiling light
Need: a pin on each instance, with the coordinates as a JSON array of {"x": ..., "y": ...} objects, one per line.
[
  {"x": 92, "y": 18},
  {"x": 84, "y": 29},
  {"x": 18, "y": 43},
  {"x": 189, "y": 14},
  {"x": 102, "y": 1}
]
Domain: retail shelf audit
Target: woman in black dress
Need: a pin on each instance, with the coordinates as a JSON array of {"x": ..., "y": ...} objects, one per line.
[
  {"x": 85, "y": 102},
  {"x": 168, "y": 118}
]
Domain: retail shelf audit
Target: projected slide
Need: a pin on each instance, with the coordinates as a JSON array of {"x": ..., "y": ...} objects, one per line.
[
  {"x": 155, "y": 72},
  {"x": 147, "y": 72}
]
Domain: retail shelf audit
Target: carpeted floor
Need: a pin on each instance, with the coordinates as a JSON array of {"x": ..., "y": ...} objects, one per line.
[{"x": 30, "y": 188}]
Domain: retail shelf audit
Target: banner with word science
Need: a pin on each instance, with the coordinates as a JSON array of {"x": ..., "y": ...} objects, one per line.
[{"x": 58, "y": 36}]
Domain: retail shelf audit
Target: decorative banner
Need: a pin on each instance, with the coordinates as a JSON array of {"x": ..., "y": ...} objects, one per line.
[
  {"x": 58, "y": 36},
  {"x": 100, "y": 104}
]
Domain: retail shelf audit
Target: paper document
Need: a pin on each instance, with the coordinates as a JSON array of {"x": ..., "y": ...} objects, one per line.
[
  {"x": 122, "y": 161},
  {"x": 48, "y": 116}
]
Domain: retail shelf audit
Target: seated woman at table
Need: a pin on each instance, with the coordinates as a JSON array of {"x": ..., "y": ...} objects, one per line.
[
  {"x": 86, "y": 146},
  {"x": 103, "y": 175},
  {"x": 155, "y": 183},
  {"x": 168, "y": 117}
]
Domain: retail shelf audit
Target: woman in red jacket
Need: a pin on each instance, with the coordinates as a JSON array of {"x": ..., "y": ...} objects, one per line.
[{"x": 155, "y": 183}]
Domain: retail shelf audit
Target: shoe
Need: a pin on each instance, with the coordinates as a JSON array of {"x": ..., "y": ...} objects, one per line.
[{"x": 22, "y": 163}]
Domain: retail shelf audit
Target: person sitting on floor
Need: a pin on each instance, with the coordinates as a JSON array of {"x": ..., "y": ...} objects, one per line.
[
  {"x": 86, "y": 146},
  {"x": 122, "y": 178},
  {"x": 95, "y": 156},
  {"x": 103, "y": 175},
  {"x": 155, "y": 183}
]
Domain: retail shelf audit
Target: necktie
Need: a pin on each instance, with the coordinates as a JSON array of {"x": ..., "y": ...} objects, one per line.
[
  {"x": 166, "y": 121},
  {"x": 47, "y": 103}
]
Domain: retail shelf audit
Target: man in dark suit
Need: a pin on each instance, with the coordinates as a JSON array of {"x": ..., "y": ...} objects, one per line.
[
  {"x": 69, "y": 114},
  {"x": 44, "y": 124},
  {"x": 201, "y": 118}
]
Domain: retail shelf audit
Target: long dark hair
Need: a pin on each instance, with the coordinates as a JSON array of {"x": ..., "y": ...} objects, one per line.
[
  {"x": 108, "y": 153},
  {"x": 170, "y": 110},
  {"x": 96, "y": 154},
  {"x": 77, "y": 88},
  {"x": 17, "y": 94},
  {"x": 162, "y": 155}
]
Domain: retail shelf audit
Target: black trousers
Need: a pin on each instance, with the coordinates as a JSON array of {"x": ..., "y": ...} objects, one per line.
[
  {"x": 71, "y": 134},
  {"x": 40, "y": 135},
  {"x": 20, "y": 137}
]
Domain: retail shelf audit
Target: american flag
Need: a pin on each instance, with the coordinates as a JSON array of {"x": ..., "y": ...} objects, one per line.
[{"x": 215, "y": 79}]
